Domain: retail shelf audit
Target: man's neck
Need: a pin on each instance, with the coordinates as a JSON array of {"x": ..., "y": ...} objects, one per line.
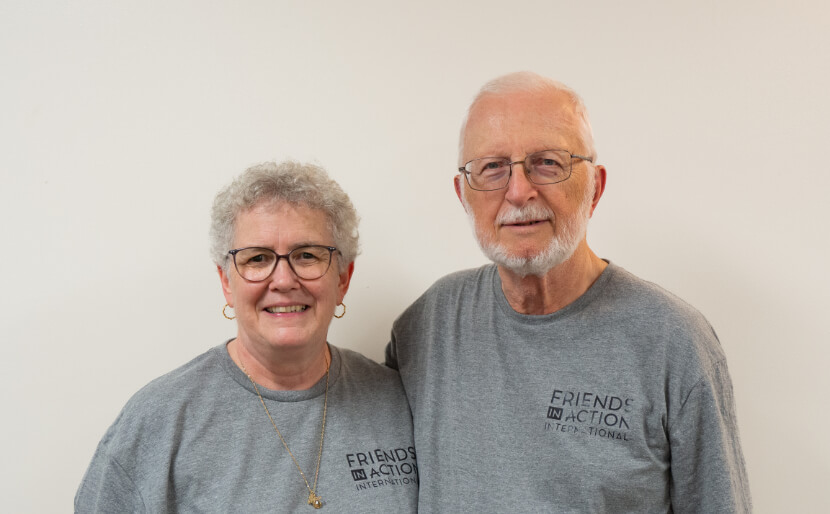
[{"x": 555, "y": 290}]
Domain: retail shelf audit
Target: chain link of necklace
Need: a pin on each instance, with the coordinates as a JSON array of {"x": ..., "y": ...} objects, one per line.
[{"x": 313, "y": 500}]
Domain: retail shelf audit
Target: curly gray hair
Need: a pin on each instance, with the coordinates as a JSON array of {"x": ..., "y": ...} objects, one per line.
[{"x": 290, "y": 182}]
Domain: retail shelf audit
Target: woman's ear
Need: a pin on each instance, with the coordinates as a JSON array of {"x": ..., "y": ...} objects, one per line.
[{"x": 226, "y": 285}]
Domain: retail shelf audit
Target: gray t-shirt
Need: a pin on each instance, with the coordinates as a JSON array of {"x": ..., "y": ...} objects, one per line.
[
  {"x": 198, "y": 440},
  {"x": 619, "y": 402}
]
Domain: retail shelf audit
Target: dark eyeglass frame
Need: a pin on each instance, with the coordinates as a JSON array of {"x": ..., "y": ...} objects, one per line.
[
  {"x": 286, "y": 256},
  {"x": 526, "y": 163}
]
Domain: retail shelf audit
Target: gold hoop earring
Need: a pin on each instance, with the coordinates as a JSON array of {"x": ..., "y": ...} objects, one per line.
[
  {"x": 341, "y": 304},
  {"x": 226, "y": 314}
]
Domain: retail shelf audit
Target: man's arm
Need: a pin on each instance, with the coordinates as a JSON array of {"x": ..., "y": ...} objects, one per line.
[
  {"x": 392, "y": 353},
  {"x": 707, "y": 465}
]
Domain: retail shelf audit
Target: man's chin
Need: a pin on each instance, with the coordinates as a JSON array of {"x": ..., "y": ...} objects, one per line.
[
  {"x": 528, "y": 259},
  {"x": 525, "y": 264},
  {"x": 527, "y": 267}
]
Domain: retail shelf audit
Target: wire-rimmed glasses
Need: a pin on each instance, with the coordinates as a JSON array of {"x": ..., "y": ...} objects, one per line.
[
  {"x": 545, "y": 167},
  {"x": 256, "y": 264}
]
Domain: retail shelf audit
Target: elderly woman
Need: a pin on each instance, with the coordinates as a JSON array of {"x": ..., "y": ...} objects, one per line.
[{"x": 277, "y": 419}]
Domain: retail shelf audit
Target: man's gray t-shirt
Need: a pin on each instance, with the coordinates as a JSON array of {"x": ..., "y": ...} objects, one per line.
[
  {"x": 619, "y": 402},
  {"x": 198, "y": 440}
]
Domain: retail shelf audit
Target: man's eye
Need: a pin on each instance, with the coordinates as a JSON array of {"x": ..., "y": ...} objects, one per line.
[
  {"x": 492, "y": 167},
  {"x": 546, "y": 162}
]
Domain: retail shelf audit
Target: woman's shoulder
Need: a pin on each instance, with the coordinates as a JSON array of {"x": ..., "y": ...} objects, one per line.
[
  {"x": 361, "y": 372},
  {"x": 172, "y": 390},
  {"x": 372, "y": 391},
  {"x": 190, "y": 375},
  {"x": 145, "y": 420}
]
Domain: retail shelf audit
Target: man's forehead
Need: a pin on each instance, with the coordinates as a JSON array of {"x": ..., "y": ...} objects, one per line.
[
  {"x": 548, "y": 99},
  {"x": 529, "y": 119}
]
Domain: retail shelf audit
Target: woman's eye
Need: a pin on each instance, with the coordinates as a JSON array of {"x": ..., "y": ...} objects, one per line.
[{"x": 254, "y": 259}]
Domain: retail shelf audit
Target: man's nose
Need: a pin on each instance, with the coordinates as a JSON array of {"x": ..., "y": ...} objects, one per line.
[{"x": 520, "y": 189}]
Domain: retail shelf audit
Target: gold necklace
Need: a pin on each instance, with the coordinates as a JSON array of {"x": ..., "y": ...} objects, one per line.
[{"x": 313, "y": 500}]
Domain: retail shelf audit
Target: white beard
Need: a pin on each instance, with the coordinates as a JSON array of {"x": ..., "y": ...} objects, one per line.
[{"x": 569, "y": 233}]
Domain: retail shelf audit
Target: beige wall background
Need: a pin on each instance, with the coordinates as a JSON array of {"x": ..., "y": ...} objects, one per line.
[{"x": 120, "y": 121}]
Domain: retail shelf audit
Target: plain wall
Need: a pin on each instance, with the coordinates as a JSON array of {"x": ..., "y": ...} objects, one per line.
[{"x": 121, "y": 120}]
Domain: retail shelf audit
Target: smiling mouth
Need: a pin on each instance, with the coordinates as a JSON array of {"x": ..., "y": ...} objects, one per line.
[{"x": 286, "y": 308}]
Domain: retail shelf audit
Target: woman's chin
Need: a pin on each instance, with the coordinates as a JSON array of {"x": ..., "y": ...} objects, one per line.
[{"x": 290, "y": 341}]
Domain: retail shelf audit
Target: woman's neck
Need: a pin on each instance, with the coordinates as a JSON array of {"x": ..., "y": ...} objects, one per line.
[{"x": 290, "y": 370}]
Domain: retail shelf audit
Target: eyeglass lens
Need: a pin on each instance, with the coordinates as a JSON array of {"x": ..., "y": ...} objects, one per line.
[
  {"x": 307, "y": 262},
  {"x": 546, "y": 167}
]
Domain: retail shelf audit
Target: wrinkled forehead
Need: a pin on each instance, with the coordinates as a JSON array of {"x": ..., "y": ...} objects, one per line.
[{"x": 515, "y": 123}]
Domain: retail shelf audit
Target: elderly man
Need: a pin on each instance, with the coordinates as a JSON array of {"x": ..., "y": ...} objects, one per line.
[{"x": 554, "y": 380}]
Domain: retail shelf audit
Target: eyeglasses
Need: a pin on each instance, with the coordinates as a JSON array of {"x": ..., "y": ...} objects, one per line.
[
  {"x": 256, "y": 264},
  {"x": 545, "y": 167}
]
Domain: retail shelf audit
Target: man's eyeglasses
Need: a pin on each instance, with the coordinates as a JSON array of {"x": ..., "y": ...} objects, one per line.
[
  {"x": 545, "y": 167},
  {"x": 256, "y": 264}
]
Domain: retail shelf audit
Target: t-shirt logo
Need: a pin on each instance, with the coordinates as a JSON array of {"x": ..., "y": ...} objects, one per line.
[
  {"x": 383, "y": 467},
  {"x": 590, "y": 413}
]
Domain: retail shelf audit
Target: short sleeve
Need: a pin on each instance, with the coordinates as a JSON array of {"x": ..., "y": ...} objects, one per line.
[
  {"x": 707, "y": 465},
  {"x": 106, "y": 487}
]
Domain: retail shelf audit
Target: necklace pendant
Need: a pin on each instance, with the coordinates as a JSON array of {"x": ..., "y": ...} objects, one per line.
[{"x": 314, "y": 500}]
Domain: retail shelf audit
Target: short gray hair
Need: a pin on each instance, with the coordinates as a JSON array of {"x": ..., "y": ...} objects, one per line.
[
  {"x": 288, "y": 182},
  {"x": 527, "y": 81}
]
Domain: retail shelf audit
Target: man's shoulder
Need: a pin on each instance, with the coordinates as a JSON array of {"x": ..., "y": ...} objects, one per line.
[
  {"x": 458, "y": 281},
  {"x": 656, "y": 314},
  {"x": 451, "y": 289},
  {"x": 646, "y": 296}
]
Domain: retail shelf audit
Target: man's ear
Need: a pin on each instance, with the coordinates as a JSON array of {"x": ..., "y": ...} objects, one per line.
[
  {"x": 600, "y": 176},
  {"x": 458, "y": 185}
]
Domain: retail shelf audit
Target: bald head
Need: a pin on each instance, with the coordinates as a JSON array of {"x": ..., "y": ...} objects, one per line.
[{"x": 565, "y": 109}]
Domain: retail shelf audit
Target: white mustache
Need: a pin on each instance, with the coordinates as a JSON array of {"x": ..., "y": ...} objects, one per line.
[{"x": 530, "y": 212}]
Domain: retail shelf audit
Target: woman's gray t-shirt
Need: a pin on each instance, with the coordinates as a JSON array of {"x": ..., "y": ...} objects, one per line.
[{"x": 198, "y": 440}]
